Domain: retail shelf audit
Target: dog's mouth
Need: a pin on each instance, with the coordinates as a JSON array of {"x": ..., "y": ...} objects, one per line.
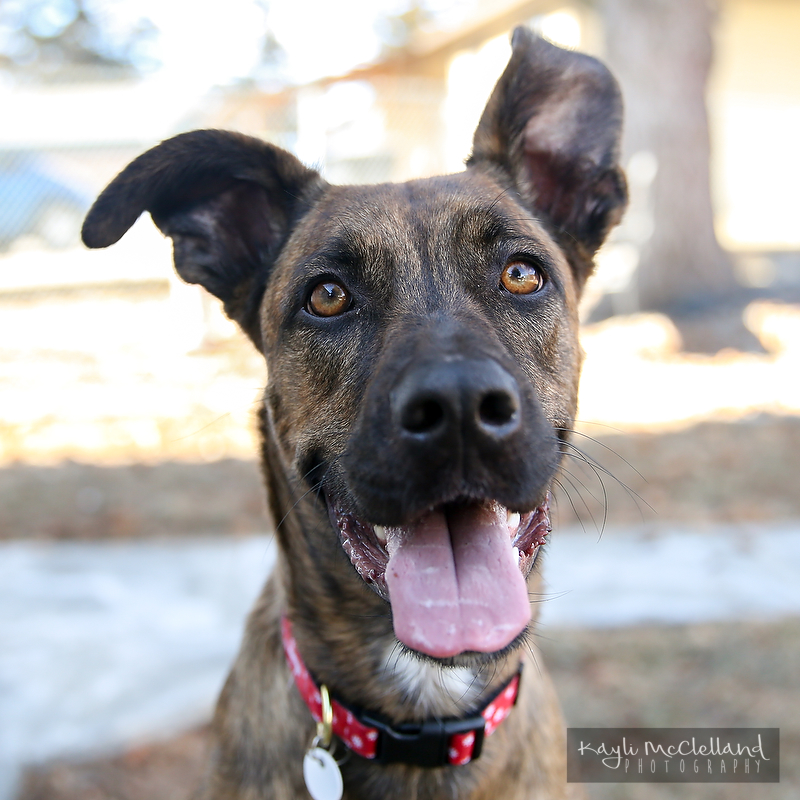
[{"x": 455, "y": 577}]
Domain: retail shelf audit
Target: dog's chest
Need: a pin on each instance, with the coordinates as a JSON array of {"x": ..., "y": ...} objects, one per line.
[{"x": 430, "y": 690}]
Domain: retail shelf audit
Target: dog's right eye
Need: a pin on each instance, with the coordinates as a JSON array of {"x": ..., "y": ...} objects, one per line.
[
  {"x": 328, "y": 299},
  {"x": 519, "y": 277}
]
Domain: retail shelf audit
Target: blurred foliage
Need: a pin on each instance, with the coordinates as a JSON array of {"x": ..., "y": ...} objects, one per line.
[
  {"x": 52, "y": 40},
  {"x": 89, "y": 40},
  {"x": 271, "y": 72},
  {"x": 396, "y": 30}
]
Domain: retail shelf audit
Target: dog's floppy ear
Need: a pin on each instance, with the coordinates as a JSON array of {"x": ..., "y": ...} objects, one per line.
[
  {"x": 228, "y": 201},
  {"x": 553, "y": 125}
]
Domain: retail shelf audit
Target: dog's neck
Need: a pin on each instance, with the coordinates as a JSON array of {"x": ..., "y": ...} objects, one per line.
[{"x": 430, "y": 690}]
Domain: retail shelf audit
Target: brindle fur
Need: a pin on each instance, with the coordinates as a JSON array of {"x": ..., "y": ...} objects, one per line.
[{"x": 423, "y": 261}]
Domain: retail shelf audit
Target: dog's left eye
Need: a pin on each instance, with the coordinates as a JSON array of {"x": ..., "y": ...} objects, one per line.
[
  {"x": 519, "y": 277},
  {"x": 328, "y": 299}
]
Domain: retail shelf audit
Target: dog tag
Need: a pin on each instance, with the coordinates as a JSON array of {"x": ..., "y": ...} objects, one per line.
[{"x": 322, "y": 775}]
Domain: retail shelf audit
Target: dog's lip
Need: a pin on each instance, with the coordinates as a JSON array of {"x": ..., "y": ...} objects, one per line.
[
  {"x": 364, "y": 542},
  {"x": 359, "y": 541}
]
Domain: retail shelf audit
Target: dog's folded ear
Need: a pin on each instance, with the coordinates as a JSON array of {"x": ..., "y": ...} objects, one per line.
[
  {"x": 553, "y": 125},
  {"x": 228, "y": 202}
]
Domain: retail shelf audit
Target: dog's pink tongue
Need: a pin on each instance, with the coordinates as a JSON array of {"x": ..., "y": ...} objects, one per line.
[{"x": 455, "y": 584}]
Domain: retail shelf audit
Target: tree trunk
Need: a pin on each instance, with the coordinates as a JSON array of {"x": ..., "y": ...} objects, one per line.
[{"x": 661, "y": 52}]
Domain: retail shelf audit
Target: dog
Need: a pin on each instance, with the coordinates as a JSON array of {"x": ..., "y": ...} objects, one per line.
[{"x": 421, "y": 341}]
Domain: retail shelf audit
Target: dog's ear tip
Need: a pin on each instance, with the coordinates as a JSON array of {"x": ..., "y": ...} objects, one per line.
[
  {"x": 98, "y": 231},
  {"x": 519, "y": 35},
  {"x": 524, "y": 38},
  {"x": 92, "y": 238},
  {"x": 527, "y": 43},
  {"x": 524, "y": 42}
]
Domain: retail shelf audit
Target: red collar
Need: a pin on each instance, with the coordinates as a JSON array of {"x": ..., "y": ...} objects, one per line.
[{"x": 431, "y": 744}]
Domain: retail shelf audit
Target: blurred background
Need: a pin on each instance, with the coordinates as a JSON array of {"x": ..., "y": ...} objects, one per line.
[{"x": 132, "y": 531}]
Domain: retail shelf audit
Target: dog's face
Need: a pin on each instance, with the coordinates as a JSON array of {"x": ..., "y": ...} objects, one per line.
[
  {"x": 421, "y": 343},
  {"x": 421, "y": 338}
]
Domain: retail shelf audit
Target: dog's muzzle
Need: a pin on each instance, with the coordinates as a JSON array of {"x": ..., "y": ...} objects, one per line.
[
  {"x": 455, "y": 577},
  {"x": 441, "y": 496}
]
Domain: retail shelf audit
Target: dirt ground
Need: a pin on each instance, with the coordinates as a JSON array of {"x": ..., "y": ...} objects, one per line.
[
  {"x": 687, "y": 676},
  {"x": 711, "y": 472}
]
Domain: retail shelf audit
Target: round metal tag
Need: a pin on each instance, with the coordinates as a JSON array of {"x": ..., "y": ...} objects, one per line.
[{"x": 322, "y": 775}]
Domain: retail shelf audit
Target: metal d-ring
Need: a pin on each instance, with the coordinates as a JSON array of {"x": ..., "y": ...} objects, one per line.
[{"x": 325, "y": 725}]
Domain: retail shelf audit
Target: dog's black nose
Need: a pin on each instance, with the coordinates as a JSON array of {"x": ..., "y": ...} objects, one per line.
[{"x": 463, "y": 397}]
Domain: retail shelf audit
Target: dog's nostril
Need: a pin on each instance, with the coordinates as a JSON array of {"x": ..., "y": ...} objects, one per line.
[
  {"x": 422, "y": 416},
  {"x": 497, "y": 408}
]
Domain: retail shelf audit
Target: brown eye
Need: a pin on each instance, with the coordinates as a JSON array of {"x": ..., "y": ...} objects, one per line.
[
  {"x": 521, "y": 278},
  {"x": 328, "y": 299}
]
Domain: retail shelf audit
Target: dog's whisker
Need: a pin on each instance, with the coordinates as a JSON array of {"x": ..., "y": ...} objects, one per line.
[
  {"x": 580, "y": 488},
  {"x": 545, "y": 597},
  {"x": 497, "y": 199},
  {"x": 538, "y": 636},
  {"x": 315, "y": 488},
  {"x": 249, "y": 405},
  {"x": 204, "y": 427},
  {"x": 605, "y": 446},
  {"x": 574, "y": 479},
  {"x": 598, "y": 476},
  {"x": 557, "y": 483},
  {"x": 293, "y": 507},
  {"x": 577, "y": 453},
  {"x": 579, "y": 456},
  {"x": 475, "y": 675},
  {"x": 393, "y": 659},
  {"x": 527, "y": 641}
]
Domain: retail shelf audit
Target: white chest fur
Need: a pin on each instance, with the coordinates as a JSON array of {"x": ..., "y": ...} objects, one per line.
[{"x": 431, "y": 689}]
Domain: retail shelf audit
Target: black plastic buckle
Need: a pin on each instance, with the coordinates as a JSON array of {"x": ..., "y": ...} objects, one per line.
[{"x": 424, "y": 745}]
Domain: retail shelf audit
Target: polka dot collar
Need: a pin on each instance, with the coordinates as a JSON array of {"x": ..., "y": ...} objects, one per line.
[{"x": 433, "y": 743}]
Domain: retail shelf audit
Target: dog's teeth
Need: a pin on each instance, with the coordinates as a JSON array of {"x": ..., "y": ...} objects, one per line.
[
  {"x": 519, "y": 554},
  {"x": 380, "y": 533},
  {"x": 513, "y": 522}
]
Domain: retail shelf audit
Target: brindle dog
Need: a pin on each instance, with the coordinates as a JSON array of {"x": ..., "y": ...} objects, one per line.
[{"x": 421, "y": 343}]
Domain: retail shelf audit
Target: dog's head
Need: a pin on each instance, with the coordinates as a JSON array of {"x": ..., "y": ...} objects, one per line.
[{"x": 421, "y": 338}]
